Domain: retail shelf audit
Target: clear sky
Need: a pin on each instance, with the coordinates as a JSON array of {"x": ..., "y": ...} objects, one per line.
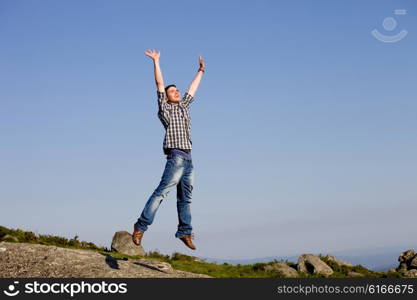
[{"x": 303, "y": 127}]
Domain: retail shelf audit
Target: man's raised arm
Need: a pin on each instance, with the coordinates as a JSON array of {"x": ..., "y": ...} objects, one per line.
[
  {"x": 157, "y": 69},
  {"x": 196, "y": 81}
]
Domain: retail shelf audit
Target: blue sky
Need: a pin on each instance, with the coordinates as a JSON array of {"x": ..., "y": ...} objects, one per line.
[{"x": 303, "y": 126}]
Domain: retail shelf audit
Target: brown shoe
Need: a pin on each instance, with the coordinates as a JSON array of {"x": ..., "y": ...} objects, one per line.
[
  {"x": 187, "y": 240},
  {"x": 137, "y": 236}
]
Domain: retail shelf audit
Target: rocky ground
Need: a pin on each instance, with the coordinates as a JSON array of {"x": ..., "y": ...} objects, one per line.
[
  {"x": 35, "y": 260},
  {"x": 22, "y": 259}
]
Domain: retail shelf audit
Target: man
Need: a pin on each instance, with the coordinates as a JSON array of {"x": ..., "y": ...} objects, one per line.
[{"x": 179, "y": 169}]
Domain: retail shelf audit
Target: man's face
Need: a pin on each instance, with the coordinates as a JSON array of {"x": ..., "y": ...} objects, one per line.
[{"x": 173, "y": 95}]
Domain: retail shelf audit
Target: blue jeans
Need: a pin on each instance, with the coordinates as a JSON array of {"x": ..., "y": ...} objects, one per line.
[{"x": 179, "y": 172}]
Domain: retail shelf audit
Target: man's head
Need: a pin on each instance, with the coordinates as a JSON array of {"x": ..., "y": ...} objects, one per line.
[{"x": 173, "y": 94}]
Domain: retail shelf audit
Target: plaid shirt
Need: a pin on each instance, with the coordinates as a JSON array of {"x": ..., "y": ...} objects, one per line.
[{"x": 176, "y": 120}]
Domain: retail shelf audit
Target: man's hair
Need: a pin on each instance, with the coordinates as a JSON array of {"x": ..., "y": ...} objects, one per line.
[{"x": 167, "y": 87}]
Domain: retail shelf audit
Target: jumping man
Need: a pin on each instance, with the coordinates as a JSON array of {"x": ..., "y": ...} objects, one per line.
[{"x": 179, "y": 170}]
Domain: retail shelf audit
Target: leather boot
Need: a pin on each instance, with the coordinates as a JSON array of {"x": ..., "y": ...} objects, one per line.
[
  {"x": 187, "y": 241},
  {"x": 137, "y": 236}
]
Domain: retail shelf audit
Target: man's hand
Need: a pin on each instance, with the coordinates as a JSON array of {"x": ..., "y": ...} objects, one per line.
[
  {"x": 152, "y": 53},
  {"x": 157, "y": 69},
  {"x": 201, "y": 61},
  {"x": 196, "y": 81}
]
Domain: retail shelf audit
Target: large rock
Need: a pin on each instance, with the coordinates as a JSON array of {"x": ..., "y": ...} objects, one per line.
[
  {"x": 122, "y": 243},
  {"x": 413, "y": 263},
  {"x": 282, "y": 268},
  {"x": 40, "y": 261},
  {"x": 407, "y": 256},
  {"x": 339, "y": 262},
  {"x": 408, "y": 262},
  {"x": 310, "y": 263},
  {"x": 410, "y": 273}
]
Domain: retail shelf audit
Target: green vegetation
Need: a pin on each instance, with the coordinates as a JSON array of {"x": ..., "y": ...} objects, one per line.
[
  {"x": 21, "y": 236},
  {"x": 185, "y": 262},
  {"x": 342, "y": 271}
]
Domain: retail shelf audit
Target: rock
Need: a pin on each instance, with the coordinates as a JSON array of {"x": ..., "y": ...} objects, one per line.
[
  {"x": 392, "y": 270},
  {"x": 310, "y": 263},
  {"x": 413, "y": 263},
  {"x": 355, "y": 274},
  {"x": 282, "y": 268},
  {"x": 197, "y": 259},
  {"x": 10, "y": 238},
  {"x": 339, "y": 262},
  {"x": 408, "y": 261},
  {"x": 407, "y": 256},
  {"x": 410, "y": 273},
  {"x": 122, "y": 243},
  {"x": 158, "y": 265},
  {"x": 23, "y": 260},
  {"x": 164, "y": 266}
]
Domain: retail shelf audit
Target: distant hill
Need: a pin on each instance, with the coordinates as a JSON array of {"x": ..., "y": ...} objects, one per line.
[{"x": 379, "y": 259}]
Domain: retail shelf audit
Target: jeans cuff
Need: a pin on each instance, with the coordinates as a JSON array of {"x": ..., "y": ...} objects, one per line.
[
  {"x": 181, "y": 234},
  {"x": 141, "y": 228}
]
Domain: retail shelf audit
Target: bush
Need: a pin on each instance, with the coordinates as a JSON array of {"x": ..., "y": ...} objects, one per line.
[
  {"x": 30, "y": 237},
  {"x": 179, "y": 256},
  {"x": 4, "y": 231},
  {"x": 157, "y": 255}
]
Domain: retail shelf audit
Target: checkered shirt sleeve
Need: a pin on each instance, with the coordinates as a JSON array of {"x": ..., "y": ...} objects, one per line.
[{"x": 187, "y": 99}]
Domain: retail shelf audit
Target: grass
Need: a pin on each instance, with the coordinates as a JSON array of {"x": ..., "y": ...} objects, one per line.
[
  {"x": 184, "y": 262},
  {"x": 18, "y": 235}
]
